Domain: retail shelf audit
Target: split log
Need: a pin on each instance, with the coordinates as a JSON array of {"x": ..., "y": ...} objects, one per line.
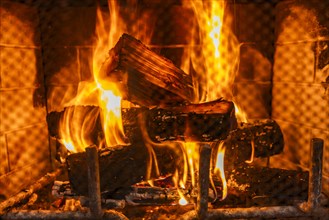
[{"x": 146, "y": 78}]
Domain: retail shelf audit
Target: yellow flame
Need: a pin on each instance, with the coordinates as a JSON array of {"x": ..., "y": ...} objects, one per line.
[
  {"x": 192, "y": 156},
  {"x": 102, "y": 91},
  {"x": 182, "y": 201},
  {"x": 216, "y": 51},
  {"x": 241, "y": 116},
  {"x": 179, "y": 184},
  {"x": 219, "y": 168},
  {"x": 252, "y": 151}
]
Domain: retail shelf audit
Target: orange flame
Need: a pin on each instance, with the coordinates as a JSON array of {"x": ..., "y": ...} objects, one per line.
[
  {"x": 102, "y": 91},
  {"x": 219, "y": 168},
  {"x": 180, "y": 185},
  {"x": 216, "y": 59}
]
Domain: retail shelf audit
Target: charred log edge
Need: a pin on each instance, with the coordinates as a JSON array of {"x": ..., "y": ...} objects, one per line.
[
  {"x": 258, "y": 212},
  {"x": 206, "y": 122},
  {"x": 63, "y": 215},
  {"x": 39, "y": 184},
  {"x": 219, "y": 106}
]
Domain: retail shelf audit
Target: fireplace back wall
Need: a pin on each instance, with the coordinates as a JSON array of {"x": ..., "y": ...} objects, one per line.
[{"x": 47, "y": 46}]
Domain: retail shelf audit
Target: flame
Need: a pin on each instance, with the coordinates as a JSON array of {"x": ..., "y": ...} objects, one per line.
[
  {"x": 182, "y": 201},
  {"x": 102, "y": 92},
  {"x": 215, "y": 54},
  {"x": 219, "y": 168},
  {"x": 179, "y": 184},
  {"x": 240, "y": 115},
  {"x": 213, "y": 58},
  {"x": 192, "y": 158}
]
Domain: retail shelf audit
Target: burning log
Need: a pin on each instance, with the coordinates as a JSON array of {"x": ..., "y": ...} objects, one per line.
[
  {"x": 204, "y": 122},
  {"x": 146, "y": 78},
  {"x": 259, "y": 139},
  {"x": 119, "y": 167},
  {"x": 253, "y": 186}
]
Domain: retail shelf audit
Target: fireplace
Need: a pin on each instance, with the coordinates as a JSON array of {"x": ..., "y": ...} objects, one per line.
[{"x": 275, "y": 51}]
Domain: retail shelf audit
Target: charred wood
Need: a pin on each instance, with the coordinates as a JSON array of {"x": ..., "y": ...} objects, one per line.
[
  {"x": 119, "y": 167},
  {"x": 263, "y": 186},
  {"x": 259, "y": 139},
  {"x": 204, "y": 122},
  {"x": 247, "y": 186}
]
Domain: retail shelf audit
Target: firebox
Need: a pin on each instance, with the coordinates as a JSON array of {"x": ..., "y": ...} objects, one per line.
[{"x": 153, "y": 109}]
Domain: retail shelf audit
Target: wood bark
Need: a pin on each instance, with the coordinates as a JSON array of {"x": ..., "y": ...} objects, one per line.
[
  {"x": 119, "y": 167},
  {"x": 147, "y": 78},
  {"x": 206, "y": 122},
  {"x": 260, "y": 139},
  {"x": 264, "y": 186}
]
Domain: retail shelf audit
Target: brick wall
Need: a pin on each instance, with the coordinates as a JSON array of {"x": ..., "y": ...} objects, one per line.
[
  {"x": 300, "y": 102},
  {"x": 24, "y": 148}
]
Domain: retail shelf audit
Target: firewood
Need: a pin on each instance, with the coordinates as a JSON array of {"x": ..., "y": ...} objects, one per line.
[
  {"x": 263, "y": 186},
  {"x": 119, "y": 167},
  {"x": 146, "y": 78},
  {"x": 260, "y": 139},
  {"x": 263, "y": 137},
  {"x": 204, "y": 122},
  {"x": 247, "y": 186}
]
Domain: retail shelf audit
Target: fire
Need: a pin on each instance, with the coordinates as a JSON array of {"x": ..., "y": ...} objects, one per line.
[
  {"x": 102, "y": 92},
  {"x": 240, "y": 115},
  {"x": 180, "y": 184},
  {"x": 183, "y": 201},
  {"x": 191, "y": 150},
  {"x": 214, "y": 56},
  {"x": 219, "y": 168}
]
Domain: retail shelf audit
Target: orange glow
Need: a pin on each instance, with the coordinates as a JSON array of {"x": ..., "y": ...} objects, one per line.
[
  {"x": 219, "y": 168},
  {"x": 102, "y": 92}
]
